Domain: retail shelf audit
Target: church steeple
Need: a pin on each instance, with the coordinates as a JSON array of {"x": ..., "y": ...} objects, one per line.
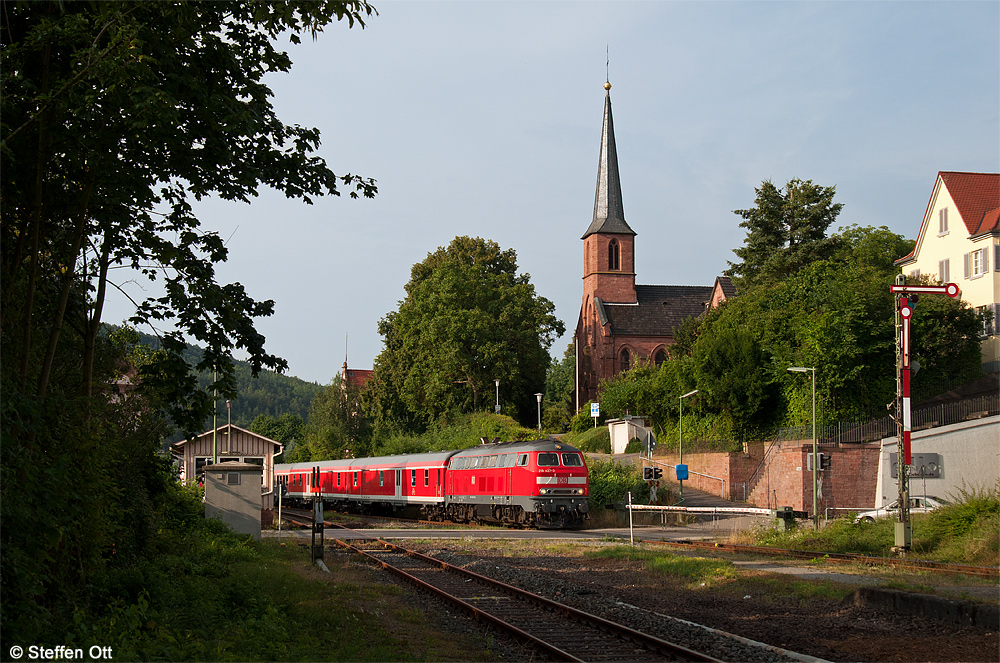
[
  {"x": 609, "y": 243},
  {"x": 609, "y": 214}
]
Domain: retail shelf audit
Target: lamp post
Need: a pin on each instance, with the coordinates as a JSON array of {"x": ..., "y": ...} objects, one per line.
[
  {"x": 497, "y": 383},
  {"x": 804, "y": 369},
  {"x": 539, "y": 397},
  {"x": 680, "y": 435}
]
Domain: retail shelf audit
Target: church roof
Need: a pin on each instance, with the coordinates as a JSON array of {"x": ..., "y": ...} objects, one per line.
[
  {"x": 659, "y": 311},
  {"x": 609, "y": 214}
]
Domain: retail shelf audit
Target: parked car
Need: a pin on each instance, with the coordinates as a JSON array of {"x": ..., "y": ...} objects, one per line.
[{"x": 920, "y": 504}]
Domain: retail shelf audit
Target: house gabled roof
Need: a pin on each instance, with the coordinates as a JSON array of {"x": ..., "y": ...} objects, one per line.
[
  {"x": 977, "y": 197},
  {"x": 221, "y": 428},
  {"x": 659, "y": 311}
]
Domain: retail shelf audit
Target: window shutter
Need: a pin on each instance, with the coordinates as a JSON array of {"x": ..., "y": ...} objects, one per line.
[
  {"x": 996, "y": 257},
  {"x": 986, "y": 260},
  {"x": 968, "y": 265}
]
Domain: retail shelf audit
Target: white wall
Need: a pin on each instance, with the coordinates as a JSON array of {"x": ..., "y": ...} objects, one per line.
[{"x": 970, "y": 457}]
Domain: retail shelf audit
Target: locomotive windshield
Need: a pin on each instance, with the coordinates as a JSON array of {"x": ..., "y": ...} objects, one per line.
[
  {"x": 548, "y": 459},
  {"x": 572, "y": 460}
]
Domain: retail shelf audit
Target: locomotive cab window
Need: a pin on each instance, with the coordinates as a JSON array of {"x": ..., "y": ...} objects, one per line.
[
  {"x": 522, "y": 460},
  {"x": 572, "y": 460},
  {"x": 547, "y": 459}
]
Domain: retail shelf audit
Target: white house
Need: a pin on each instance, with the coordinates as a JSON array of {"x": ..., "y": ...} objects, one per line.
[{"x": 959, "y": 242}]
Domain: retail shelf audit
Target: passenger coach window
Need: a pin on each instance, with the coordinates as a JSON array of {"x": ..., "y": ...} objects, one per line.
[
  {"x": 381, "y": 478},
  {"x": 548, "y": 460},
  {"x": 572, "y": 460},
  {"x": 413, "y": 477},
  {"x": 427, "y": 478}
]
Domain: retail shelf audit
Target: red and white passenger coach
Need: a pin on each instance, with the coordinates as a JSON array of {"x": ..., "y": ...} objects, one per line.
[{"x": 542, "y": 483}]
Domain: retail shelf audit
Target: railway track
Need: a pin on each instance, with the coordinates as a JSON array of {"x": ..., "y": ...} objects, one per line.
[
  {"x": 561, "y": 632},
  {"x": 305, "y": 518}
]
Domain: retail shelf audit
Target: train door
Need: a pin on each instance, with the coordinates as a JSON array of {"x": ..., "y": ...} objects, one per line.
[{"x": 399, "y": 483}]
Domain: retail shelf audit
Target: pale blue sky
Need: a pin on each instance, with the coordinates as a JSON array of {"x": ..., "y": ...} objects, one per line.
[{"x": 484, "y": 119}]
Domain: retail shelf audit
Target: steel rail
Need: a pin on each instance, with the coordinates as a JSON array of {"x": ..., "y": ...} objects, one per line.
[{"x": 624, "y": 634}]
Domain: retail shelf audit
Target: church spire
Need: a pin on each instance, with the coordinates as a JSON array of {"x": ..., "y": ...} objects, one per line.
[{"x": 609, "y": 214}]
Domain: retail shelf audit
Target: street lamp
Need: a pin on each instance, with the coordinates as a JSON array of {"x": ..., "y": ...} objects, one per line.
[
  {"x": 804, "y": 369},
  {"x": 680, "y": 435},
  {"x": 539, "y": 397},
  {"x": 497, "y": 383}
]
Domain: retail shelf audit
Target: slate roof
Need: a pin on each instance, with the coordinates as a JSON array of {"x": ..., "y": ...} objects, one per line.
[
  {"x": 727, "y": 287},
  {"x": 660, "y": 309},
  {"x": 609, "y": 213}
]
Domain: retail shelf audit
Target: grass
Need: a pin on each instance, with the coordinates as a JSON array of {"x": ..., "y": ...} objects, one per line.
[
  {"x": 965, "y": 532},
  {"x": 216, "y": 596}
]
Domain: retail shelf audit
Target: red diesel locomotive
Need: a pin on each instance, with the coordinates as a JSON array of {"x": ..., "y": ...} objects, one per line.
[{"x": 541, "y": 484}]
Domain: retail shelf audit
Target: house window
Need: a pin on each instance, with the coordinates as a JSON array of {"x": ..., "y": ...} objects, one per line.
[
  {"x": 233, "y": 478},
  {"x": 660, "y": 357},
  {"x": 614, "y": 255},
  {"x": 915, "y": 274},
  {"x": 943, "y": 221},
  {"x": 977, "y": 263},
  {"x": 625, "y": 360},
  {"x": 944, "y": 270}
]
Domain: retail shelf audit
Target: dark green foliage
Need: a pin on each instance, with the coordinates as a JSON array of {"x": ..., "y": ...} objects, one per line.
[
  {"x": 115, "y": 117},
  {"x": 786, "y": 229},
  {"x": 559, "y": 396},
  {"x": 833, "y": 313},
  {"x": 610, "y": 482},
  {"x": 269, "y": 394},
  {"x": 468, "y": 319},
  {"x": 337, "y": 426}
]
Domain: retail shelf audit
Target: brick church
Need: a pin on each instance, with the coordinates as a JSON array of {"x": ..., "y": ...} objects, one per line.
[{"x": 622, "y": 324}]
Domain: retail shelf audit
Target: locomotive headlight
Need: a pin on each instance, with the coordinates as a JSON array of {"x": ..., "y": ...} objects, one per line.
[{"x": 543, "y": 491}]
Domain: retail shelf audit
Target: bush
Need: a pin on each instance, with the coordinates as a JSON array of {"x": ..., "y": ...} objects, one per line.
[{"x": 611, "y": 480}]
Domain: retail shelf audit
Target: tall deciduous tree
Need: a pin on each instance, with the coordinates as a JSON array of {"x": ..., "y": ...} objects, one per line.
[
  {"x": 468, "y": 319},
  {"x": 116, "y": 116},
  {"x": 786, "y": 229}
]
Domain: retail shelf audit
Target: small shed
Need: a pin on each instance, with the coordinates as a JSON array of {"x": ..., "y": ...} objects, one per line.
[
  {"x": 624, "y": 430},
  {"x": 232, "y": 493},
  {"x": 230, "y": 444}
]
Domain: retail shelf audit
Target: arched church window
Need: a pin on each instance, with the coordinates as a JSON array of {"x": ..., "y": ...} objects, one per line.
[
  {"x": 659, "y": 358},
  {"x": 614, "y": 255},
  {"x": 625, "y": 360}
]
